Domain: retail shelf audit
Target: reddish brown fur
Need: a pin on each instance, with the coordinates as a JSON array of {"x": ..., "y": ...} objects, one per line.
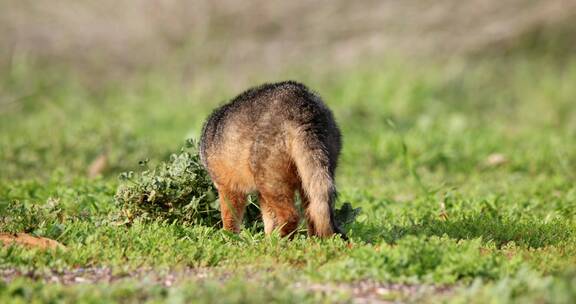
[
  {"x": 275, "y": 178},
  {"x": 276, "y": 140}
]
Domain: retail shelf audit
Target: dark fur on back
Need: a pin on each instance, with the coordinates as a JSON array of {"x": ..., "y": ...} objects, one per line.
[{"x": 302, "y": 105}]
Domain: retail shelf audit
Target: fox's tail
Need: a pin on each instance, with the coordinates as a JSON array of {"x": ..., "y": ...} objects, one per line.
[{"x": 313, "y": 164}]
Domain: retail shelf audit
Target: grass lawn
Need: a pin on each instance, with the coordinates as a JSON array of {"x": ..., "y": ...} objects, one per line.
[{"x": 465, "y": 173}]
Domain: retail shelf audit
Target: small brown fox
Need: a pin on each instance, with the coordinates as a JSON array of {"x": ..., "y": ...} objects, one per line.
[{"x": 274, "y": 139}]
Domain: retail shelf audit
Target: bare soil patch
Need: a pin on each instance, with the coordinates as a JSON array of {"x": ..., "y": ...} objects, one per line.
[{"x": 8, "y": 239}]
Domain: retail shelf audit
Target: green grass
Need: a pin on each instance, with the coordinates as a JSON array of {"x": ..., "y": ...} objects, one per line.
[{"x": 417, "y": 143}]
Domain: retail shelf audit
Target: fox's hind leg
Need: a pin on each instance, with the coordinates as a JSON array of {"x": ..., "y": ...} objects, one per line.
[
  {"x": 232, "y": 205},
  {"x": 279, "y": 212},
  {"x": 277, "y": 184},
  {"x": 305, "y": 203},
  {"x": 267, "y": 215}
]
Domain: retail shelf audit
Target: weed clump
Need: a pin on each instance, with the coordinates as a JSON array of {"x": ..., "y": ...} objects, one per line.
[
  {"x": 178, "y": 190},
  {"x": 24, "y": 217}
]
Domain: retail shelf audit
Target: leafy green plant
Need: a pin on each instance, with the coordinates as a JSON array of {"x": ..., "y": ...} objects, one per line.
[
  {"x": 346, "y": 215},
  {"x": 177, "y": 190},
  {"x": 42, "y": 220}
]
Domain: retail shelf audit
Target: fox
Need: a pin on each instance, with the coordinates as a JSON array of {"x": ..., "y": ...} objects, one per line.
[{"x": 276, "y": 140}]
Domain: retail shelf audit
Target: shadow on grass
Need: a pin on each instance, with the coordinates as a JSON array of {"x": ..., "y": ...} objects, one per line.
[{"x": 501, "y": 231}]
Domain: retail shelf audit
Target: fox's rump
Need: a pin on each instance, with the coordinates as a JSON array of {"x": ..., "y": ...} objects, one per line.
[{"x": 276, "y": 139}]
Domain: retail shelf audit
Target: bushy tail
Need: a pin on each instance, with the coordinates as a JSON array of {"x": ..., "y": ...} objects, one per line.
[{"x": 313, "y": 164}]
